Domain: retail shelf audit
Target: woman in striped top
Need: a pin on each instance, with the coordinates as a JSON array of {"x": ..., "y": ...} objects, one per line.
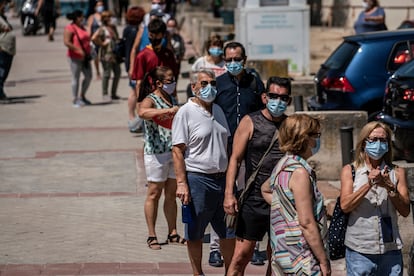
[{"x": 297, "y": 218}]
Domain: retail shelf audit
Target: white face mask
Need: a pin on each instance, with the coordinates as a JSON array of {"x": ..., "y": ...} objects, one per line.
[{"x": 364, "y": 4}]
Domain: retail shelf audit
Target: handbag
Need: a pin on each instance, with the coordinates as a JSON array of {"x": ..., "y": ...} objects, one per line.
[
  {"x": 337, "y": 229},
  {"x": 87, "y": 58},
  {"x": 120, "y": 50},
  {"x": 231, "y": 220}
]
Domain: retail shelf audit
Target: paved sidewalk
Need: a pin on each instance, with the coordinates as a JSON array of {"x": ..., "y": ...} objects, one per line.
[{"x": 72, "y": 183}]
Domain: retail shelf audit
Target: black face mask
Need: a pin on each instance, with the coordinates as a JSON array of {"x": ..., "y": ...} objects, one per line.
[{"x": 155, "y": 41}]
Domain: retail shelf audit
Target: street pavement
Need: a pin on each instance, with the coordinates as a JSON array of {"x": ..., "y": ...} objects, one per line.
[{"x": 72, "y": 181}]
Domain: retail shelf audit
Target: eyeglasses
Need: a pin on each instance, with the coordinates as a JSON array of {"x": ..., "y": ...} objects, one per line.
[
  {"x": 237, "y": 59},
  {"x": 275, "y": 96},
  {"x": 375, "y": 139},
  {"x": 315, "y": 134},
  {"x": 205, "y": 83}
]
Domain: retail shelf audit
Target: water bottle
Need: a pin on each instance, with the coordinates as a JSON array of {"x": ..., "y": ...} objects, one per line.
[{"x": 186, "y": 213}]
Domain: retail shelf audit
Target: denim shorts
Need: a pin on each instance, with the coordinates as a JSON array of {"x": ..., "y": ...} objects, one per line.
[
  {"x": 207, "y": 195},
  {"x": 389, "y": 263}
]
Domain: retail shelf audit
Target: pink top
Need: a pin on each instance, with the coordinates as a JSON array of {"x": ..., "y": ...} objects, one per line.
[{"x": 80, "y": 35}]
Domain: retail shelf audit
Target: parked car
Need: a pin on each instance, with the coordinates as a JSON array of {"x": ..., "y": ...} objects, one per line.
[
  {"x": 398, "y": 111},
  {"x": 406, "y": 24},
  {"x": 354, "y": 75}
]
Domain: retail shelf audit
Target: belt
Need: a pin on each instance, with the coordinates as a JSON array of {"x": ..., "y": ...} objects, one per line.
[{"x": 211, "y": 175}]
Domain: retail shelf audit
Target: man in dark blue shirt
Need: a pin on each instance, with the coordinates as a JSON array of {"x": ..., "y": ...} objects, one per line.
[
  {"x": 239, "y": 89},
  {"x": 239, "y": 92}
]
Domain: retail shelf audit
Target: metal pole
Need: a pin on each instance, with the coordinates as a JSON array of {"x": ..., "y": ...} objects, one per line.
[
  {"x": 298, "y": 103},
  {"x": 347, "y": 145}
]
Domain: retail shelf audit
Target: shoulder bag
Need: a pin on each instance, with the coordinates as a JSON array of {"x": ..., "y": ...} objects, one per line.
[
  {"x": 87, "y": 58},
  {"x": 337, "y": 229},
  {"x": 231, "y": 220}
]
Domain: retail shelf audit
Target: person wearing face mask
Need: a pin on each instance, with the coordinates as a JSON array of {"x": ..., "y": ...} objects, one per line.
[
  {"x": 152, "y": 56},
  {"x": 374, "y": 199},
  {"x": 252, "y": 138},
  {"x": 76, "y": 38},
  {"x": 106, "y": 37},
  {"x": 176, "y": 40},
  {"x": 239, "y": 89},
  {"x": 298, "y": 222},
  {"x": 158, "y": 107},
  {"x": 199, "y": 137},
  {"x": 239, "y": 92},
  {"x": 141, "y": 38},
  {"x": 371, "y": 19},
  {"x": 93, "y": 23}
]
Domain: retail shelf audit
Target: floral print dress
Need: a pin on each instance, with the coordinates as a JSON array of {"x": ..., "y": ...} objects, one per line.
[{"x": 291, "y": 254}]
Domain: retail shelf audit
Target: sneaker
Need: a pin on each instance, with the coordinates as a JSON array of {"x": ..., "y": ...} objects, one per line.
[
  {"x": 76, "y": 105},
  {"x": 257, "y": 258},
  {"x": 115, "y": 97},
  {"x": 215, "y": 259},
  {"x": 135, "y": 125}
]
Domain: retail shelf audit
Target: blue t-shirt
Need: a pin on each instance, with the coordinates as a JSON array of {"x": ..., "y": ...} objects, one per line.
[{"x": 362, "y": 26}]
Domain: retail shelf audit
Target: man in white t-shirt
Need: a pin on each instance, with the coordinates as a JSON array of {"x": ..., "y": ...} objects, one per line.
[{"x": 199, "y": 137}]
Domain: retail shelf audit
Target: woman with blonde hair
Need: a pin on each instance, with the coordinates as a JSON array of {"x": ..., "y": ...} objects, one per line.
[
  {"x": 374, "y": 197},
  {"x": 298, "y": 234}
]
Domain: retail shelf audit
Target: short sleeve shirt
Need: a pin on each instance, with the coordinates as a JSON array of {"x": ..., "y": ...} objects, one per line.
[
  {"x": 205, "y": 136},
  {"x": 148, "y": 59}
]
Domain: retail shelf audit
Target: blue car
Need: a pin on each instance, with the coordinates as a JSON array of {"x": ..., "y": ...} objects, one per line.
[
  {"x": 354, "y": 75},
  {"x": 398, "y": 111}
]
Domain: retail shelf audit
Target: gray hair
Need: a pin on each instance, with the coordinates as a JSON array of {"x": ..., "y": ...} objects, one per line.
[{"x": 194, "y": 76}]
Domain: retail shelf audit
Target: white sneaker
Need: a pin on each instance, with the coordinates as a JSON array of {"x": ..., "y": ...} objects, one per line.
[
  {"x": 77, "y": 103},
  {"x": 135, "y": 125}
]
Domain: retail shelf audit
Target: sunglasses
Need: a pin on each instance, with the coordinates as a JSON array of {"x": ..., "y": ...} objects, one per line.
[
  {"x": 205, "y": 83},
  {"x": 237, "y": 59},
  {"x": 375, "y": 139},
  {"x": 274, "y": 96}
]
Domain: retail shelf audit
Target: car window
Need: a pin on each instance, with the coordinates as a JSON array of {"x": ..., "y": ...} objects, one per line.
[
  {"x": 402, "y": 53},
  {"x": 342, "y": 55}
]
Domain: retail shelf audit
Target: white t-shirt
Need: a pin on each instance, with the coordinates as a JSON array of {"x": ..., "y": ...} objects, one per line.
[
  {"x": 204, "y": 135},
  {"x": 202, "y": 64}
]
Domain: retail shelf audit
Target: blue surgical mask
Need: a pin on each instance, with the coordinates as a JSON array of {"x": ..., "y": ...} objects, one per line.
[
  {"x": 208, "y": 93},
  {"x": 376, "y": 150},
  {"x": 316, "y": 148},
  {"x": 100, "y": 9},
  {"x": 169, "y": 87},
  {"x": 234, "y": 67},
  {"x": 276, "y": 107},
  {"x": 155, "y": 6},
  {"x": 215, "y": 51}
]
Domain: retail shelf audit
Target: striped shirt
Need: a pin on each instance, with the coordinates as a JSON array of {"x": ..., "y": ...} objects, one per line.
[{"x": 291, "y": 253}]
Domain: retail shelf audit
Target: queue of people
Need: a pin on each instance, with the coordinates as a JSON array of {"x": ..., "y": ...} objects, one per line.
[{"x": 233, "y": 134}]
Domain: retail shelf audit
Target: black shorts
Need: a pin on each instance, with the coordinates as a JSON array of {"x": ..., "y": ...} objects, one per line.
[{"x": 254, "y": 219}]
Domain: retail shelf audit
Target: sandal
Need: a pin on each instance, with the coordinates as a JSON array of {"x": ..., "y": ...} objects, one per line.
[
  {"x": 153, "y": 243},
  {"x": 176, "y": 239}
]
